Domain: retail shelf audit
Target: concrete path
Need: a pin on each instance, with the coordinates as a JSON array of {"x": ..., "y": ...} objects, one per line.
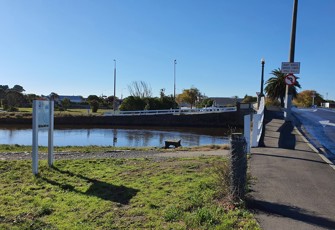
[{"x": 293, "y": 187}]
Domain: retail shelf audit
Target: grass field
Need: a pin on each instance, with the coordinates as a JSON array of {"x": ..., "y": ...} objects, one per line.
[
  {"x": 119, "y": 194},
  {"x": 26, "y": 112}
]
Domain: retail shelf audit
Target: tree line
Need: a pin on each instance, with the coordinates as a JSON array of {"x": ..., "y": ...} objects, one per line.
[{"x": 141, "y": 97}]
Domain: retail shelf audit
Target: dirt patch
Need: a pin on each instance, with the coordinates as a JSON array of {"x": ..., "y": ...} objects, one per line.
[{"x": 116, "y": 154}]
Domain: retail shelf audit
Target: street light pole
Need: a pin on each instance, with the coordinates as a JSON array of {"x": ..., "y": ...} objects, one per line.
[
  {"x": 114, "y": 100},
  {"x": 313, "y": 96},
  {"x": 262, "y": 78},
  {"x": 174, "y": 82},
  {"x": 288, "y": 93},
  {"x": 261, "y": 93}
]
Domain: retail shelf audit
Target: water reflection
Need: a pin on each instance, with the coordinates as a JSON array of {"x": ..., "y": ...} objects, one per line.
[{"x": 118, "y": 137}]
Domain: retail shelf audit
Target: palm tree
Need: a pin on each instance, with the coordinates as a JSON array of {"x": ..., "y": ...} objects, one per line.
[{"x": 276, "y": 87}]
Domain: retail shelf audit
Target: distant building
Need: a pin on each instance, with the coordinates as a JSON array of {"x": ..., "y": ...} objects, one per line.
[
  {"x": 74, "y": 99},
  {"x": 225, "y": 101},
  {"x": 328, "y": 105}
]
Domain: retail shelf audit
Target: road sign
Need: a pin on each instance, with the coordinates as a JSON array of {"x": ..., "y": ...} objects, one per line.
[
  {"x": 290, "y": 79},
  {"x": 290, "y": 67},
  {"x": 43, "y": 117}
]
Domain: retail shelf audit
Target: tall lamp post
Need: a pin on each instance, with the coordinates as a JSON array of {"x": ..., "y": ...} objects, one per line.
[
  {"x": 288, "y": 93},
  {"x": 262, "y": 78},
  {"x": 174, "y": 77},
  {"x": 261, "y": 93},
  {"x": 114, "y": 100}
]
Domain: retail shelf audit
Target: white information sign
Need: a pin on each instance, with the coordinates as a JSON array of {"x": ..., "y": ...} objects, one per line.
[
  {"x": 290, "y": 67},
  {"x": 43, "y": 114},
  {"x": 43, "y": 118}
]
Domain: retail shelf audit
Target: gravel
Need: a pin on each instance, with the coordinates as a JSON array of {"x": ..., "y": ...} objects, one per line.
[{"x": 115, "y": 154}]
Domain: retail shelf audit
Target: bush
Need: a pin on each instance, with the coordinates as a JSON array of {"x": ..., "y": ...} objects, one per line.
[
  {"x": 132, "y": 103},
  {"x": 94, "y": 106}
]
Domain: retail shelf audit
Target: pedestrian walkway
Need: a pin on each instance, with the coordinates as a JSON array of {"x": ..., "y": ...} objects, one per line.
[{"x": 292, "y": 186}]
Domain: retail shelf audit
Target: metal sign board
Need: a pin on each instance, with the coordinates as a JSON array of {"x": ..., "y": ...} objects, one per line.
[
  {"x": 43, "y": 114},
  {"x": 290, "y": 67},
  {"x": 290, "y": 79}
]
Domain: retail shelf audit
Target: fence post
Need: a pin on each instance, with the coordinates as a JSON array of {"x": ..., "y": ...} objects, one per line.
[{"x": 238, "y": 165}]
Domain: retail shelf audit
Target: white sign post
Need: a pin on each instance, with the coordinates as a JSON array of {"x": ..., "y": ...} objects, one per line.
[{"x": 43, "y": 118}]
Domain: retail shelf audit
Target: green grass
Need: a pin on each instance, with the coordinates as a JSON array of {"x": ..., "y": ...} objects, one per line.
[
  {"x": 27, "y": 112},
  {"x": 117, "y": 194}
]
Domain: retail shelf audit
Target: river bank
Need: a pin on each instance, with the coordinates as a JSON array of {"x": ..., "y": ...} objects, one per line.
[{"x": 225, "y": 119}]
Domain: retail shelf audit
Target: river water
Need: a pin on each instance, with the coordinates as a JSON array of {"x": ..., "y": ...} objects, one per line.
[{"x": 118, "y": 137}]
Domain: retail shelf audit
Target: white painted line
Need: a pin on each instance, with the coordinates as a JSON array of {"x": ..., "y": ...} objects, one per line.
[{"x": 326, "y": 122}]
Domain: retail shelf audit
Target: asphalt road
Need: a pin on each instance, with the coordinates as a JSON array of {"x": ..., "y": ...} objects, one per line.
[
  {"x": 319, "y": 123},
  {"x": 292, "y": 187}
]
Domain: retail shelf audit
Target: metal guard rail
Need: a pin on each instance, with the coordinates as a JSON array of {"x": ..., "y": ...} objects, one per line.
[{"x": 171, "y": 111}]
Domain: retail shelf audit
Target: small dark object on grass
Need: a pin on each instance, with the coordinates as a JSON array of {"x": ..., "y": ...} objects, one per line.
[{"x": 175, "y": 143}]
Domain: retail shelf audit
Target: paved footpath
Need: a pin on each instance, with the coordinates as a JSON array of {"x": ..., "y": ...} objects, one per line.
[{"x": 293, "y": 187}]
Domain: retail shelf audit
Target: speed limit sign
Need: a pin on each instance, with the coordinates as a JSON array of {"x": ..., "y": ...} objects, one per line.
[{"x": 290, "y": 79}]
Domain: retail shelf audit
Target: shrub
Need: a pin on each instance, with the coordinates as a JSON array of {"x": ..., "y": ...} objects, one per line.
[{"x": 94, "y": 106}]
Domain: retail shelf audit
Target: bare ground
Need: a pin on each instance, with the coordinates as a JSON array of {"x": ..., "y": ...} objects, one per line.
[{"x": 116, "y": 154}]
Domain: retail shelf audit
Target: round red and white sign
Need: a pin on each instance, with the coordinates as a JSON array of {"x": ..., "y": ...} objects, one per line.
[{"x": 290, "y": 79}]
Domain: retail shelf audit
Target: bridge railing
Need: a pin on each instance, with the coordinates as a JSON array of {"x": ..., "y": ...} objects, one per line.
[
  {"x": 257, "y": 125},
  {"x": 253, "y": 136},
  {"x": 171, "y": 111}
]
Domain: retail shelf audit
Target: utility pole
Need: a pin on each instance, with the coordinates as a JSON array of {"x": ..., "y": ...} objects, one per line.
[
  {"x": 174, "y": 82},
  {"x": 114, "y": 100},
  {"x": 288, "y": 93}
]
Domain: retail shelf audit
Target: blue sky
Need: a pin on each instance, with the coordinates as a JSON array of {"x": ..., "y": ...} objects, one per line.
[{"x": 68, "y": 46}]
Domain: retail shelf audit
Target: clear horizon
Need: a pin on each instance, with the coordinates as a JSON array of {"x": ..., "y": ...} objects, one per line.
[{"x": 68, "y": 47}]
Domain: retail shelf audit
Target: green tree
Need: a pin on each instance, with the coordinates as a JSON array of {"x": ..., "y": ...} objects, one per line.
[
  {"x": 93, "y": 97},
  {"x": 18, "y": 88},
  {"x": 132, "y": 103},
  {"x": 168, "y": 102},
  {"x": 29, "y": 98},
  {"x": 13, "y": 100},
  {"x": 249, "y": 99},
  {"x": 276, "y": 87},
  {"x": 4, "y": 87},
  {"x": 205, "y": 102},
  {"x": 110, "y": 100},
  {"x": 54, "y": 96},
  {"x": 2, "y": 96},
  {"x": 189, "y": 96},
  {"x": 305, "y": 98},
  {"x": 66, "y": 103},
  {"x": 94, "y": 105}
]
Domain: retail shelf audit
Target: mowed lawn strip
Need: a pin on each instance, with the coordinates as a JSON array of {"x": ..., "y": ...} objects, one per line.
[{"x": 118, "y": 194}]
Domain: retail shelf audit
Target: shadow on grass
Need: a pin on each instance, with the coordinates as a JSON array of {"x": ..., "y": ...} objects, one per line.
[{"x": 120, "y": 194}]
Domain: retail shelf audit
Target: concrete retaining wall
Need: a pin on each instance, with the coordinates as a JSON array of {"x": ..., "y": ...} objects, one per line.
[{"x": 228, "y": 119}]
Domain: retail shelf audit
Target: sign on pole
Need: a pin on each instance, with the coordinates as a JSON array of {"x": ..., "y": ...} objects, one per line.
[
  {"x": 290, "y": 67},
  {"x": 290, "y": 79},
  {"x": 43, "y": 113}
]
